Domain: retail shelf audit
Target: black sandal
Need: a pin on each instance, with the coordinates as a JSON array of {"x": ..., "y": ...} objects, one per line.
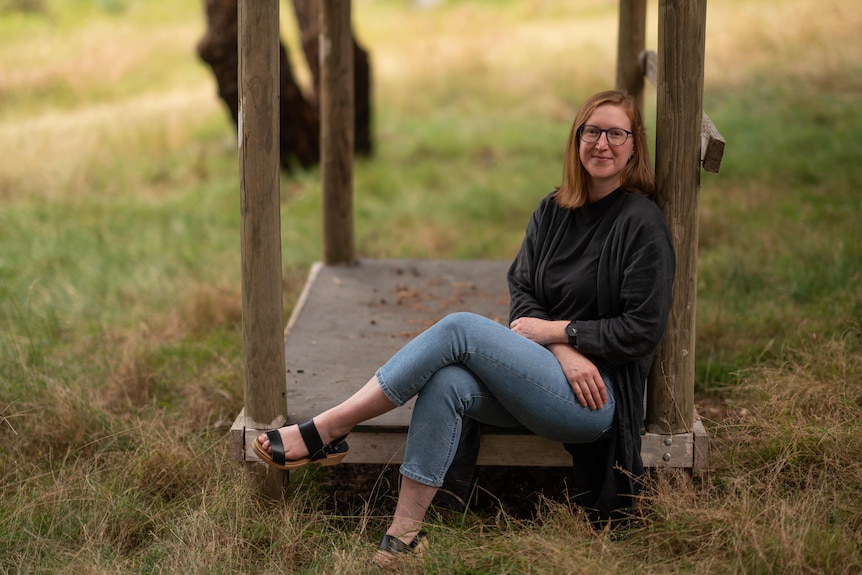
[
  {"x": 330, "y": 454},
  {"x": 391, "y": 549}
]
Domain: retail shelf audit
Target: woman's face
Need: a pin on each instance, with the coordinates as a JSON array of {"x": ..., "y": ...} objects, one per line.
[{"x": 605, "y": 162}]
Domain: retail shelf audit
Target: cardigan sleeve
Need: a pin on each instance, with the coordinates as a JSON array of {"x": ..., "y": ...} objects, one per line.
[{"x": 638, "y": 263}]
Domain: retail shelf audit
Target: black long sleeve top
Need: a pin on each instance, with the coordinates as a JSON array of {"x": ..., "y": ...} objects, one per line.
[{"x": 609, "y": 266}]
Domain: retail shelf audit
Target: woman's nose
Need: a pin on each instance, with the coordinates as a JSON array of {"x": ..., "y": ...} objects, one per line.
[{"x": 602, "y": 142}]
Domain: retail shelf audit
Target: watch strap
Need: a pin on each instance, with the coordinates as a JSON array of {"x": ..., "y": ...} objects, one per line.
[{"x": 572, "y": 333}]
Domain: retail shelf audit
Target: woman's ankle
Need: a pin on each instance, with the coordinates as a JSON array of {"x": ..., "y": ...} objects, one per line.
[
  {"x": 328, "y": 429},
  {"x": 404, "y": 532}
]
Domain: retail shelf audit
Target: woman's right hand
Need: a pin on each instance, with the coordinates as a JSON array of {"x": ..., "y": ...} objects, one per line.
[
  {"x": 541, "y": 331},
  {"x": 583, "y": 376}
]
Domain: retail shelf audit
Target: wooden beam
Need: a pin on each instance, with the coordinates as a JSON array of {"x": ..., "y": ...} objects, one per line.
[
  {"x": 337, "y": 131},
  {"x": 711, "y": 146},
  {"x": 679, "y": 110},
  {"x": 648, "y": 61},
  {"x": 631, "y": 41},
  {"x": 498, "y": 447},
  {"x": 711, "y": 141},
  {"x": 260, "y": 234}
]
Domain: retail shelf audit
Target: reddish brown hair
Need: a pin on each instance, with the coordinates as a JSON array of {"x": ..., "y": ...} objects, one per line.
[{"x": 638, "y": 174}]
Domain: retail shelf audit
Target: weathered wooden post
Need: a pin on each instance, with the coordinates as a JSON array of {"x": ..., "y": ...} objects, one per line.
[
  {"x": 630, "y": 48},
  {"x": 262, "y": 316},
  {"x": 679, "y": 111},
  {"x": 336, "y": 131}
]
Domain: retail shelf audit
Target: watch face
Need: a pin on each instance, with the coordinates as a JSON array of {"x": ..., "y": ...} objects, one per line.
[{"x": 571, "y": 331}]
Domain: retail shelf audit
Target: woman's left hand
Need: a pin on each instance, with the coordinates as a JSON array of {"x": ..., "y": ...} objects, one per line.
[
  {"x": 583, "y": 376},
  {"x": 541, "y": 331}
]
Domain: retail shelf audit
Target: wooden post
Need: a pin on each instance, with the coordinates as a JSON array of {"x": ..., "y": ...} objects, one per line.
[
  {"x": 263, "y": 322},
  {"x": 679, "y": 110},
  {"x": 336, "y": 131},
  {"x": 711, "y": 141},
  {"x": 631, "y": 44}
]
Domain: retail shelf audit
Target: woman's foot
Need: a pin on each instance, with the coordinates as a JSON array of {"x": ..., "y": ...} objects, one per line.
[
  {"x": 393, "y": 549},
  {"x": 296, "y": 445}
]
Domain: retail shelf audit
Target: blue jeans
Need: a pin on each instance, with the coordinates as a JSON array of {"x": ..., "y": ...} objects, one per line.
[{"x": 470, "y": 366}]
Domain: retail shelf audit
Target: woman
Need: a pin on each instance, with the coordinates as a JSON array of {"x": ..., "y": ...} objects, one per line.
[{"x": 590, "y": 295}]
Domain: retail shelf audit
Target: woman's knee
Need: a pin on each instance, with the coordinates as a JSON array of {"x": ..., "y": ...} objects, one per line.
[
  {"x": 465, "y": 323},
  {"x": 459, "y": 319}
]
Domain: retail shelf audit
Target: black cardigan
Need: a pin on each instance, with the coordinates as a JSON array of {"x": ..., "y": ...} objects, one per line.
[{"x": 634, "y": 286}]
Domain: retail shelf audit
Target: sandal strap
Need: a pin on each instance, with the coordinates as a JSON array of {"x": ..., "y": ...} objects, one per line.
[
  {"x": 316, "y": 449},
  {"x": 276, "y": 446},
  {"x": 312, "y": 440},
  {"x": 391, "y": 544}
]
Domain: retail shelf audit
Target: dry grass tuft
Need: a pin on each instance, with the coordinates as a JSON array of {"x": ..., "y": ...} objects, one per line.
[
  {"x": 210, "y": 306},
  {"x": 129, "y": 385},
  {"x": 57, "y": 420},
  {"x": 134, "y": 376},
  {"x": 782, "y": 494}
]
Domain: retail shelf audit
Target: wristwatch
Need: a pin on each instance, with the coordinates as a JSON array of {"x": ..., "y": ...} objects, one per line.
[{"x": 572, "y": 332}]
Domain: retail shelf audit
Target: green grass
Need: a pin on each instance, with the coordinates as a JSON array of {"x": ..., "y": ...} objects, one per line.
[
  {"x": 120, "y": 308},
  {"x": 788, "y": 205}
]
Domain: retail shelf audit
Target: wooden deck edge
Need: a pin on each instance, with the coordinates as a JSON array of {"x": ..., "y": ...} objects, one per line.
[
  {"x": 303, "y": 295},
  {"x": 236, "y": 439},
  {"x": 701, "y": 445},
  {"x": 241, "y": 437},
  {"x": 681, "y": 450}
]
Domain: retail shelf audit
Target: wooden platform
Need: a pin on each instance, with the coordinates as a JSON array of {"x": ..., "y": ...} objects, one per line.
[{"x": 350, "y": 320}]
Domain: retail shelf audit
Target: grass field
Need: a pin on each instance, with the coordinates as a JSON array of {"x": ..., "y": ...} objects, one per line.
[{"x": 120, "y": 311}]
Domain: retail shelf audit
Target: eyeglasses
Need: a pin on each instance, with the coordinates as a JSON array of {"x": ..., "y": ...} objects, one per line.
[{"x": 591, "y": 135}]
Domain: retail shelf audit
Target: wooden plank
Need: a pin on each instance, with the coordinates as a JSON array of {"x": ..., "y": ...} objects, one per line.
[
  {"x": 701, "y": 445},
  {"x": 236, "y": 439},
  {"x": 677, "y": 450},
  {"x": 376, "y": 446},
  {"x": 711, "y": 146},
  {"x": 356, "y": 317},
  {"x": 310, "y": 281},
  {"x": 649, "y": 65},
  {"x": 387, "y": 448}
]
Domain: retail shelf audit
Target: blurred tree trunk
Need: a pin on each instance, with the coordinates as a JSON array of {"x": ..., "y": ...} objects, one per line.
[{"x": 299, "y": 119}]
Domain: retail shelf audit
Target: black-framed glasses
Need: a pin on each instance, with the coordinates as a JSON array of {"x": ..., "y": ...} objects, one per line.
[{"x": 591, "y": 135}]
